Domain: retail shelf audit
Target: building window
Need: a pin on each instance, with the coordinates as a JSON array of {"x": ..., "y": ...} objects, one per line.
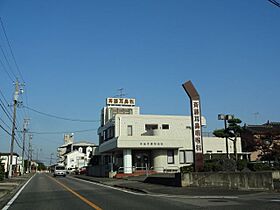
[
  {"x": 182, "y": 156},
  {"x": 209, "y": 151},
  {"x": 219, "y": 151},
  {"x": 151, "y": 127},
  {"x": 129, "y": 130},
  {"x": 165, "y": 126},
  {"x": 170, "y": 156},
  {"x": 186, "y": 156},
  {"x": 189, "y": 156}
]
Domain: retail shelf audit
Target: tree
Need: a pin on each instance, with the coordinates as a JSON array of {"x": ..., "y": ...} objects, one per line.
[
  {"x": 41, "y": 167},
  {"x": 232, "y": 131}
]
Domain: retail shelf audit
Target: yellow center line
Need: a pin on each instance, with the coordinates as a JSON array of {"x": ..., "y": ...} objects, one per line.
[{"x": 77, "y": 194}]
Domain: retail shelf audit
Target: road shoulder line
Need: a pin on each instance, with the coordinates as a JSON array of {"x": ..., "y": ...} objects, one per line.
[{"x": 17, "y": 194}]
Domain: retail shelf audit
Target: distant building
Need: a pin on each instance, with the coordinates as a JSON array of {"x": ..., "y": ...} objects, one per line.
[
  {"x": 68, "y": 138},
  {"x": 257, "y": 139},
  {"x": 5, "y": 162},
  {"x": 75, "y": 155},
  {"x": 76, "y": 160},
  {"x": 130, "y": 141}
]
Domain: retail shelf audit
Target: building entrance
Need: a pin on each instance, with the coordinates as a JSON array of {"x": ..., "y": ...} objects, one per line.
[{"x": 141, "y": 159}]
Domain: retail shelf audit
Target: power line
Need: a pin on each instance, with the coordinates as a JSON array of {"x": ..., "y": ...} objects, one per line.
[
  {"x": 62, "y": 132},
  {"x": 4, "y": 67},
  {"x": 7, "y": 61},
  {"x": 61, "y": 118},
  {"x": 5, "y": 130},
  {"x": 14, "y": 59},
  {"x": 18, "y": 143},
  {"x": 5, "y": 123},
  {"x": 11, "y": 50},
  {"x": 6, "y": 110},
  {"x": 7, "y": 114},
  {"x": 274, "y": 2}
]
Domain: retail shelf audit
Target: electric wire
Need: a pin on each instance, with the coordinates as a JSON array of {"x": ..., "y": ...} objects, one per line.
[
  {"x": 4, "y": 67},
  {"x": 60, "y": 132},
  {"x": 58, "y": 117},
  {"x": 7, "y": 114},
  {"x": 14, "y": 59},
  {"x": 7, "y": 61},
  {"x": 18, "y": 143},
  {"x": 274, "y": 2},
  {"x": 5, "y": 130},
  {"x": 5, "y": 123},
  {"x": 11, "y": 50}
]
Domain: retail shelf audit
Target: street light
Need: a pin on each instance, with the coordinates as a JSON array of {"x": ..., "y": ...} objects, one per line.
[{"x": 225, "y": 118}]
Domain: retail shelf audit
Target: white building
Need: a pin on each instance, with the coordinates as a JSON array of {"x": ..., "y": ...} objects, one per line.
[
  {"x": 129, "y": 141},
  {"x": 5, "y": 162},
  {"x": 75, "y": 155},
  {"x": 76, "y": 159}
]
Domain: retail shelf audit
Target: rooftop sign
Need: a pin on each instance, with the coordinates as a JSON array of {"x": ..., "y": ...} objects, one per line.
[{"x": 120, "y": 101}]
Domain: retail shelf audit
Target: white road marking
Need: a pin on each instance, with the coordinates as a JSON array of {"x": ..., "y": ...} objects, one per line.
[
  {"x": 275, "y": 200},
  {"x": 156, "y": 195},
  {"x": 17, "y": 194}
]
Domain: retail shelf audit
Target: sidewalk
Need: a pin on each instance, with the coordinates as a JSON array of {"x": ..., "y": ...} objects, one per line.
[
  {"x": 137, "y": 184},
  {"x": 8, "y": 187}
]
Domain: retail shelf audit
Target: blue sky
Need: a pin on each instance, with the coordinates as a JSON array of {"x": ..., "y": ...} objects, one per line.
[{"x": 74, "y": 54}]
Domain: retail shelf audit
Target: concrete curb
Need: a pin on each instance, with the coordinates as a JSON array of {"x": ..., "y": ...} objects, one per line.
[
  {"x": 115, "y": 185},
  {"x": 132, "y": 189}
]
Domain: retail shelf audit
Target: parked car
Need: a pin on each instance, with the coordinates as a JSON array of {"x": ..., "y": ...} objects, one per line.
[
  {"x": 83, "y": 170},
  {"x": 59, "y": 171}
]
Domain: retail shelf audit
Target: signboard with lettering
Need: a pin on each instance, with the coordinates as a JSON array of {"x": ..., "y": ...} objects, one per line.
[
  {"x": 196, "y": 126},
  {"x": 120, "y": 101}
]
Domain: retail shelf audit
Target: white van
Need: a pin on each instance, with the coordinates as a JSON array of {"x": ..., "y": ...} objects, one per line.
[{"x": 59, "y": 171}]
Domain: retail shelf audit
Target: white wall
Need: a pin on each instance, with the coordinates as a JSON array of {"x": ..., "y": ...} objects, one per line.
[
  {"x": 216, "y": 144},
  {"x": 178, "y": 135},
  {"x": 74, "y": 159},
  {"x": 159, "y": 158},
  {"x": 5, "y": 160}
]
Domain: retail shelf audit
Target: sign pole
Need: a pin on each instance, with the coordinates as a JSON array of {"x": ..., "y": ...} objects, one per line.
[{"x": 196, "y": 125}]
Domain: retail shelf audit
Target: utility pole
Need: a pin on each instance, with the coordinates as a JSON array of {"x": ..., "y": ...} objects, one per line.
[
  {"x": 29, "y": 154},
  {"x": 15, "y": 104},
  {"x": 25, "y": 124},
  {"x": 51, "y": 159}
]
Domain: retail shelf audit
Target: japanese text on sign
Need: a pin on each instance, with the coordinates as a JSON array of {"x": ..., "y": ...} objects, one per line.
[
  {"x": 121, "y": 101},
  {"x": 196, "y": 126}
]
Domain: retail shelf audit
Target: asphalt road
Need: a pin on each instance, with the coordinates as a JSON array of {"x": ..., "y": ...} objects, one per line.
[{"x": 46, "y": 192}]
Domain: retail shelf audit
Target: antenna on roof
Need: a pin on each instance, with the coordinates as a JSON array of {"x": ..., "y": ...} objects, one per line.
[
  {"x": 121, "y": 94},
  {"x": 256, "y": 116}
]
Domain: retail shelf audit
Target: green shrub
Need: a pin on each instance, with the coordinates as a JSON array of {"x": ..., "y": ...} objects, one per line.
[
  {"x": 241, "y": 164},
  {"x": 219, "y": 165},
  {"x": 255, "y": 166}
]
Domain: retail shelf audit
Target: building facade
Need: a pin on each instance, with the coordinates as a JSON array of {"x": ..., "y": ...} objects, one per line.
[
  {"x": 74, "y": 155},
  {"x": 16, "y": 162},
  {"x": 130, "y": 141}
]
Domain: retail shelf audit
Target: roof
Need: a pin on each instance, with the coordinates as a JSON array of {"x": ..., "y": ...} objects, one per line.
[
  {"x": 81, "y": 143},
  {"x": 267, "y": 128},
  {"x": 8, "y": 154},
  {"x": 84, "y": 143}
]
